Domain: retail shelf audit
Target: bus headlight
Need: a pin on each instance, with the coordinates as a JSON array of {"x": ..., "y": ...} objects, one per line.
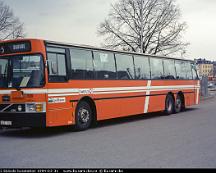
[
  {"x": 35, "y": 107},
  {"x": 30, "y": 107}
]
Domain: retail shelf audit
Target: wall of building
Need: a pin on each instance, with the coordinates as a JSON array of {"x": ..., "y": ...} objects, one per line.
[{"x": 206, "y": 68}]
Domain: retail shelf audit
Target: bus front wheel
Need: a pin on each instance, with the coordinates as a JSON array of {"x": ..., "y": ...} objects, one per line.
[{"x": 83, "y": 116}]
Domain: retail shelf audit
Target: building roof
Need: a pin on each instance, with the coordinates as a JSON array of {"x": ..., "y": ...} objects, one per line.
[{"x": 204, "y": 61}]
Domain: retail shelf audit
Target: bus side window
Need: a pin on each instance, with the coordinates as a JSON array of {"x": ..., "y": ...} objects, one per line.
[
  {"x": 125, "y": 67},
  {"x": 156, "y": 68},
  {"x": 183, "y": 70},
  {"x": 104, "y": 64},
  {"x": 81, "y": 63},
  {"x": 169, "y": 69},
  {"x": 188, "y": 70},
  {"x": 57, "y": 67},
  {"x": 142, "y": 67}
]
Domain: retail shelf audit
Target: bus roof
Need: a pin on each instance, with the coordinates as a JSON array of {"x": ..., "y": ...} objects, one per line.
[{"x": 63, "y": 44}]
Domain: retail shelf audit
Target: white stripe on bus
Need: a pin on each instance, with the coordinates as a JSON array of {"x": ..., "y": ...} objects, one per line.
[
  {"x": 121, "y": 92},
  {"x": 59, "y": 95},
  {"x": 117, "y": 92},
  {"x": 197, "y": 96},
  {"x": 103, "y": 90},
  {"x": 146, "y": 105},
  {"x": 118, "y": 89}
]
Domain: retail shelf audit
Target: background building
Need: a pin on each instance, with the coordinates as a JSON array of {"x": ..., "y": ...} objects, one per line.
[
  {"x": 214, "y": 71},
  {"x": 206, "y": 68}
]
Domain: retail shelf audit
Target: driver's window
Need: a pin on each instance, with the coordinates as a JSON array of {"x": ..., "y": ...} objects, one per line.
[
  {"x": 57, "y": 67},
  {"x": 3, "y": 72}
]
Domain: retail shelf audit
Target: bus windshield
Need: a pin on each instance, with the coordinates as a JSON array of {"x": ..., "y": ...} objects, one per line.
[{"x": 21, "y": 71}]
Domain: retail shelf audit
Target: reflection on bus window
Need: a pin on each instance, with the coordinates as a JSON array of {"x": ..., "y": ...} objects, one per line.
[{"x": 125, "y": 67}]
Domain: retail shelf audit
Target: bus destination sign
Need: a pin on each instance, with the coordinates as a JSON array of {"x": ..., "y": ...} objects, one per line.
[{"x": 15, "y": 47}]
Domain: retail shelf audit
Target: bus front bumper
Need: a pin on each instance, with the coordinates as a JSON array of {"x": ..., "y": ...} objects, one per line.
[{"x": 16, "y": 120}]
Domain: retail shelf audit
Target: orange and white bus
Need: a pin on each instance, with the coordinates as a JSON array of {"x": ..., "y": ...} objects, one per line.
[{"x": 47, "y": 84}]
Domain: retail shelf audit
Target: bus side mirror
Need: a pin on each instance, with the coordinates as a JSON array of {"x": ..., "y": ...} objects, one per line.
[
  {"x": 54, "y": 68},
  {"x": 0, "y": 69}
]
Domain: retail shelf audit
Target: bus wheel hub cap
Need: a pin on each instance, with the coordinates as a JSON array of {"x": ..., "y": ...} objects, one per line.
[
  {"x": 84, "y": 115},
  {"x": 178, "y": 103},
  {"x": 169, "y": 106}
]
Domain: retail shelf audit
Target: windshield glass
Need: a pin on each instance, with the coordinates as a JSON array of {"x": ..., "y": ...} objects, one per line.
[
  {"x": 194, "y": 72},
  {"x": 23, "y": 71}
]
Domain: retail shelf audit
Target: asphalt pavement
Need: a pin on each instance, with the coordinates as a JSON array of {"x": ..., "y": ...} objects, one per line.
[{"x": 184, "y": 140}]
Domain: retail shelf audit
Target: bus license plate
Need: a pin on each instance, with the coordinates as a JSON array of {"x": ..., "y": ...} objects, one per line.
[{"x": 6, "y": 123}]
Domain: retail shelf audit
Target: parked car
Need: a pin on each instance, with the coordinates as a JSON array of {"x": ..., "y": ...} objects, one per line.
[{"x": 211, "y": 85}]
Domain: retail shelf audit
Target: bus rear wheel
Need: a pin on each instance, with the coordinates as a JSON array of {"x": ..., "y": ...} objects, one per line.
[
  {"x": 178, "y": 104},
  {"x": 169, "y": 105},
  {"x": 83, "y": 116}
]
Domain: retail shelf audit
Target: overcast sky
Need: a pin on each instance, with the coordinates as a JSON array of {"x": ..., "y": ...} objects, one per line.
[{"x": 76, "y": 21}]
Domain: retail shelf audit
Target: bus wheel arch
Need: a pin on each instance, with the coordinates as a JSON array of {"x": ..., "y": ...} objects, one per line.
[
  {"x": 169, "y": 104},
  {"x": 92, "y": 105}
]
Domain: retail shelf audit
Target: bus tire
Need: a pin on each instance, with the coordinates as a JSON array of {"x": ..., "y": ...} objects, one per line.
[
  {"x": 83, "y": 116},
  {"x": 178, "y": 104},
  {"x": 169, "y": 105}
]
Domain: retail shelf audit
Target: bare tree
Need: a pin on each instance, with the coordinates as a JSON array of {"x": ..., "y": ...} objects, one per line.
[
  {"x": 10, "y": 26},
  {"x": 147, "y": 26}
]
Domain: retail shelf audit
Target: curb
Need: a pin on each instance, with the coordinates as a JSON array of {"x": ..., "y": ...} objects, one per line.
[{"x": 212, "y": 90}]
